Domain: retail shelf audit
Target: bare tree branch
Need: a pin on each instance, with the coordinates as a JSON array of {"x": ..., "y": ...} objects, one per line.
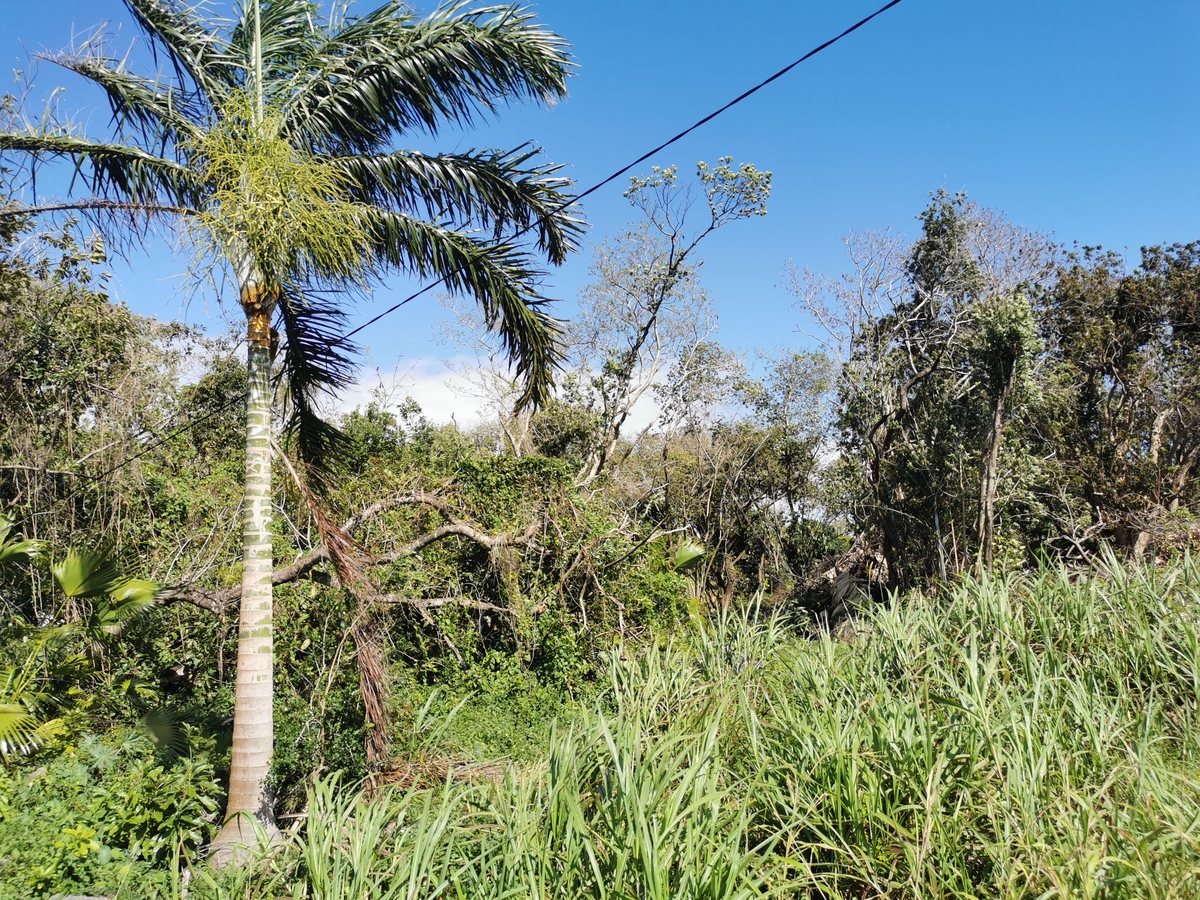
[{"x": 217, "y": 601}]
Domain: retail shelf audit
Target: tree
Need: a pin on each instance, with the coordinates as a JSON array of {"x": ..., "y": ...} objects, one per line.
[
  {"x": 1125, "y": 368},
  {"x": 275, "y": 141},
  {"x": 646, "y": 310},
  {"x": 83, "y": 382},
  {"x": 738, "y": 470},
  {"x": 934, "y": 340},
  {"x": 1002, "y": 351}
]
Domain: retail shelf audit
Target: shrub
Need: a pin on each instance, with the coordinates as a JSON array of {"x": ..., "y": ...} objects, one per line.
[{"x": 101, "y": 817}]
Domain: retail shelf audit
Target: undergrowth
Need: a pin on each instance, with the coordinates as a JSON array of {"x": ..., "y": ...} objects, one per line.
[{"x": 1025, "y": 736}]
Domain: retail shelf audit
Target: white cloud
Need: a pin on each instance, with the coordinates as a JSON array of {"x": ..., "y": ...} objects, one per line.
[
  {"x": 428, "y": 381},
  {"x": 446, "y": 396}
]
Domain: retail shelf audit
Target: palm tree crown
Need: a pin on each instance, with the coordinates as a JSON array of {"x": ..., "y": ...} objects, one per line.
[
  {"x": 339, "y": 93},
  {"x": 274, "y": 134}
]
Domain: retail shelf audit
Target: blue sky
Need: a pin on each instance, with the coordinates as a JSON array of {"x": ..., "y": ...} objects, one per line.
[{"x": 1074, "y": 116}]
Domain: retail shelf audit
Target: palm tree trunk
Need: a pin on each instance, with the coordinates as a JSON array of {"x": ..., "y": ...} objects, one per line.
[{"x": 253, "y": 714}]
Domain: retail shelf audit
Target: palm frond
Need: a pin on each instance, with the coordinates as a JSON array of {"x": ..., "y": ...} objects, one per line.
[
  {"x": 167, "y": 729},
  {"x": 134, "y": 174},
  {"x": 127, "y": 601},
  {"x": 22, "y": 702},
  {"x": 505, "y": 192},
  {"x": 85, "y": 573},
  {"x": 22, "y": 732},
  {"x": 11, "y": 548},
  {"x": 387, "y": 73},
  {"x": 288, "y": 30},
  {"x": 501, "y": 278},
  {"x": 114, "y": 602},
  {"x": 162, "y": 113},
  {"x": 317, "y": 360},
  {"x": 196, "y": 52}
]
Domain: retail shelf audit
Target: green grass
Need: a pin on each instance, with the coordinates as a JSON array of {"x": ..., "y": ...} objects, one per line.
[{"x": 1012, "y": 737}]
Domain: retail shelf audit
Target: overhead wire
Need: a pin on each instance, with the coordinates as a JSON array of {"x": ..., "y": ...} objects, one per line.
[
  {"x": 645, "y": 156},
  {"x": 166, "y": 438},
  {"x": 158, "y": 442},
  {"x": 148, "y": 448}
]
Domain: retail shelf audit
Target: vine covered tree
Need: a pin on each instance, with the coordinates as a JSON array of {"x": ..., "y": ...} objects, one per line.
[
  {"x": 275, "y": 138},
  {"x": 1124, "y": 351},
  {"x": 936, "y": 342}
]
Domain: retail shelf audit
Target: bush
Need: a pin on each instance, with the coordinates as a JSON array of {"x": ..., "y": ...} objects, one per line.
[{"x": 104, "y": 816}]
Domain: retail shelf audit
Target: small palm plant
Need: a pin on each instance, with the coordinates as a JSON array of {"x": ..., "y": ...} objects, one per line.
[
  {"x": 22, "y": 728},
  {"x": 99, "y": 605},
  {"x": 24, "y": 703}
]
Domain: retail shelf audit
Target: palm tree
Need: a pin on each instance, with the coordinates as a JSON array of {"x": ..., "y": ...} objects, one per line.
[{"x": 275, "y": 138}]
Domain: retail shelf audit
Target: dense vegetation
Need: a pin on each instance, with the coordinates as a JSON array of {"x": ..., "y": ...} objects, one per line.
[
  {"x": 1026, "y": 736},
  {"x": 995, "y": 735},
  {"x": 908, "y": 611}
]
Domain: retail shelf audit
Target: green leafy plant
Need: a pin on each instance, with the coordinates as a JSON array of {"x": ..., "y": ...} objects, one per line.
[
  {"x": 104, "y": 816},
  {"x": 100, "y": 602}
]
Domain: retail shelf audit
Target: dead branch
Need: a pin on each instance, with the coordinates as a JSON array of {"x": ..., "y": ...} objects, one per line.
[
  {"x": 217, "y": 601},
  {"x": 427, "y": 603}
]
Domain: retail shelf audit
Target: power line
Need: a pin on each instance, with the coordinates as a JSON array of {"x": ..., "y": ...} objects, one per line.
[
  {"x": 645, "y": 156},
  {"x": 166, "y": 438},
  {"x": 147, "y": 449},
  {"x": 155, "y": 444}
]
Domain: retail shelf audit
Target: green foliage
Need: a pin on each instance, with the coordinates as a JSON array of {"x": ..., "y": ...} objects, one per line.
[
  {"x": 101, "y": 603},
  {"x": 1123, "y": 376},
  {"x": 1011, "y": 738},
  {"x": 319, "y": 724},
  {"x": 495, "y": 709},
  {"x": 688, "y": 555},
  {"x": 937, "y": 392},
  {"x": 24, "y": 706},
  {"x": 13, "y": 548},
  {"x": 66, "y": 675},
  {"x": 104, "y": 815}
]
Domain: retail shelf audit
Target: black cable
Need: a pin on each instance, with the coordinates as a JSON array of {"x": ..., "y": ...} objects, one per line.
[
  {"x": 149, "y": 448},
  {"x": 153, "y": 445},
  {"x": 645, "y": 156}
]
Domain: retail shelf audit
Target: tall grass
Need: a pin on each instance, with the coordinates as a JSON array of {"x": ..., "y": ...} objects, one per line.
[
  {"x": 1012, "y": 737},
  {"x": 1016, "y": 737}
]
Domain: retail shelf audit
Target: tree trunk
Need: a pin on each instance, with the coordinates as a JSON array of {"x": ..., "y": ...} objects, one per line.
[
  {"x": 253, "y": 713},
  {"x": 989, "y": 476}
]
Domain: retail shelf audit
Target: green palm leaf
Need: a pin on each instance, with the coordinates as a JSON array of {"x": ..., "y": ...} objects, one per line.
[
  {"x": 278, "y": 32},
  {"x": 115, "y": 169},
  {"x": 195, "y": 50},
  {"x": 85, "y": 573},
  {"x": 126, "y": 602},
  {"x": 22, "y": 732},
  {"x": 163, "y": 113},
  {"x": 166, "y": 728},
  {"x": 22, "y": 728},
  {"x": 500, "y": 276},
  {"x": 688, "y": 555},
  {"x": 504, "y": 192},
  {"x": 388, "y": 73},
  {"x": 317, "y": 361},
  {"x": 112, "y": 602},
  {"x": 11, "y": 549}
]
